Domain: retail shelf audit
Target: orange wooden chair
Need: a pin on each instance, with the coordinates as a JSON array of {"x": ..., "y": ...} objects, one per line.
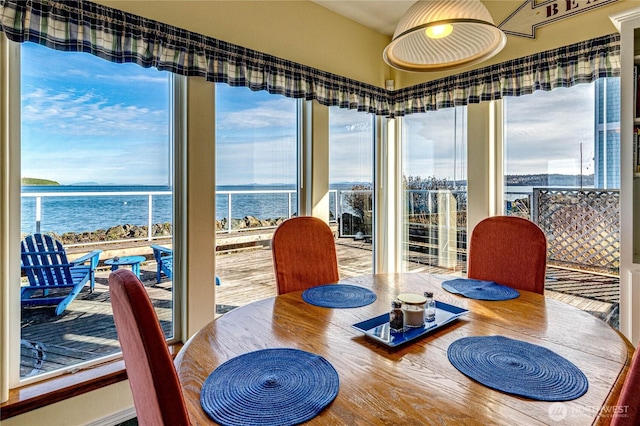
[
  {"x": 627, "y": 412},
  {"x": 508, "y": 250},
  {"x": 304, "y": 254},
  {"x": 157, "y": 393}
]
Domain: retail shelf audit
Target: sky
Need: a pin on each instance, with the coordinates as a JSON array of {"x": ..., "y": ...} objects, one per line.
[
  {"x": 424, "y": 150},
  {"x": 545, "y": 131},
  {"x": 255, "y": 137},
  {"x": 86, "y": 120}
]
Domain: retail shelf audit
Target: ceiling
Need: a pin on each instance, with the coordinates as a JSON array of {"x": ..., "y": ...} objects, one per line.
[{"x": 381, "y": 16}]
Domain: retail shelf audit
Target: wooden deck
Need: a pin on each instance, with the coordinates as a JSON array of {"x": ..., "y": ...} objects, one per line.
[
  {"x": 248, "y": 276},
  {"x": 85, "y": 331}
]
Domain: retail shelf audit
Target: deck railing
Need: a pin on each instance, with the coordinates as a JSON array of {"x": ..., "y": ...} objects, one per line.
[
  {"x": 581, "y": 225},
  {"x": 282, "y": 204},
  {"x": 143, "y": 214},
  {"x": 88, "y": 205}
]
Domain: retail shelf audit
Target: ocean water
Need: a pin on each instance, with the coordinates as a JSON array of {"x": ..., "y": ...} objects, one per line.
[{"x": 83, "y": 213}]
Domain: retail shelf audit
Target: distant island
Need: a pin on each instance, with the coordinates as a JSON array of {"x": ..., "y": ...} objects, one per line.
[
  {"x": 35, "y": 181},
  {"x": 511, "y": 180},
  {"x": 548, "y": 179}
]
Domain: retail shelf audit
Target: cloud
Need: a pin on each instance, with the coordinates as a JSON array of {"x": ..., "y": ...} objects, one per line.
[
  {"x": 349, "y": 121},
  {"x": 280, "y": 112},
  {"x": 156, "y": 78},
  {"x": 546, "y": 131},
  {"x": 351, "y": 146},
  {"x": 267, "y": 161},
  {"x": 83, "y": 135},
  {"x": 435, "y": 144},
  {"x": 268, "y": 154},
  {"x": 71, "y": 114}
]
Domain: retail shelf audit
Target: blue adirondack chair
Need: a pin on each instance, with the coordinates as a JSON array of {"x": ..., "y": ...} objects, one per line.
[
  {"x": 53, "y": 279},
  {"x": 164, "y": 260}
]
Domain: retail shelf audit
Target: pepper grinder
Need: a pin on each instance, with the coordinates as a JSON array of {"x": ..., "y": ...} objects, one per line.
[{"x": 396, "y": 316}]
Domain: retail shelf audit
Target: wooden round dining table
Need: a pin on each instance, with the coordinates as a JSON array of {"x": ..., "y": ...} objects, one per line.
[{"x": 415, "y": 383}]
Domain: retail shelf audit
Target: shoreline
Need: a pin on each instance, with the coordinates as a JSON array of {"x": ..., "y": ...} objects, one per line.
[
  {"x": 126, "y": 232},
  {"x": 138, "y": 244}
]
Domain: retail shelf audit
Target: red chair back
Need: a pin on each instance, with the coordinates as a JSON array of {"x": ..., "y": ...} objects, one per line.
[
  {"x": 157, "y": 394},
  {"x": 304, "y": 254},
  {"x": 509, "y": 250},
  {"x": 627, "y": 413}
]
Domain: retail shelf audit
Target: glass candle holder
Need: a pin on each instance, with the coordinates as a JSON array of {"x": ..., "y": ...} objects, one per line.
[{"x": 413, "y": 309}]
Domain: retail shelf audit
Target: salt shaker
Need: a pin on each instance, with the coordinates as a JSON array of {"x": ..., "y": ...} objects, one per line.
[
  {"x": 396, "y": 316},
  {"x": 429, "y": 307}
]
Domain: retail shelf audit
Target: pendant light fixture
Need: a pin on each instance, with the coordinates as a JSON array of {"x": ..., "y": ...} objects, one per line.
[{"x": 436, "y": 35}]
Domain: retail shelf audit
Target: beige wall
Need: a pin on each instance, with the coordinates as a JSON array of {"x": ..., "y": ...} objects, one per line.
[
  {"x": 303, "y": 32},
  {"x": 82, "y": 410},
  {"x": 300, "y": 31}
]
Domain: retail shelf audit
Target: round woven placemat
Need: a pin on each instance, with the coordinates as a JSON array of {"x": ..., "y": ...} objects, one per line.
[
  {"x": 518, "y": 368},
  {"x": 279, "y": 386},
  {"x": 339, "y": 296},
  {"x": 480, "y": 290}
]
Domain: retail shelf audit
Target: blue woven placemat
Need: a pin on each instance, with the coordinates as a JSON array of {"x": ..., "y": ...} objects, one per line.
[
  {"x": 339, "y": 296},
  {"x": 480, "y": 290},
  {"x": 267, "y": 387},
  {"x": 518, "y": 368}
]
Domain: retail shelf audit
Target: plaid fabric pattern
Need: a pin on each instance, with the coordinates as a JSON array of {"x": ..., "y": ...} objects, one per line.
[
  {"x": 83, "y": 26},
  {"x": 566, "y": 66}
]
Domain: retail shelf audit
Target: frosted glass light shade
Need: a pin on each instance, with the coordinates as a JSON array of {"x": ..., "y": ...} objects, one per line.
[{"x": 473, "y": 37}]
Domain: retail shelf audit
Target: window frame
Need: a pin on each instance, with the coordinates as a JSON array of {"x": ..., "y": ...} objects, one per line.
[{"x": 11, "y": 165}]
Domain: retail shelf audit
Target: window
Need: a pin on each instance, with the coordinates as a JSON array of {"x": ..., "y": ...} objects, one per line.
[
  {"x": 351, "y": 184},
  {"x": 550, "y": 139},
  {"x": 256, "y": 178},
  {"x": 96, "y": 166},
  {"x": 434, "y": 169},
  {"x": 562, "y": 171}
]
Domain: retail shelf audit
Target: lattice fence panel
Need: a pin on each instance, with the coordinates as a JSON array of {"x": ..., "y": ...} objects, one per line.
[{"x": 582, "y": 226}]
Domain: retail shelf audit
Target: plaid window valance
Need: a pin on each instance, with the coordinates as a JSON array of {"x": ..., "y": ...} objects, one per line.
[
  {"x": 566, "y": 66},
  {"x": 123, "y": 37}
]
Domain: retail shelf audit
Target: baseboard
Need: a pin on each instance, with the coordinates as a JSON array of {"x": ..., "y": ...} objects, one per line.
[{"x": 116, "y": 418}]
